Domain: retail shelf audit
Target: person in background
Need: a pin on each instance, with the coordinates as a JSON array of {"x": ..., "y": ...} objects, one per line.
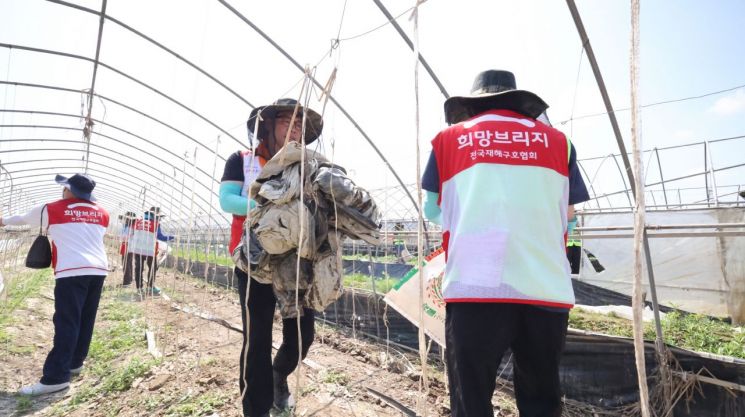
[
  {"x": 574, "y": 246},
  {"x": 502, "y": 184},
  {"x": 76, "y": 226},
  {"x": 263, "y": 384},
  {"x": 128, "y": 220},
  {"x": 398, "y": 242},
  {"x": 143, "y": 244}
]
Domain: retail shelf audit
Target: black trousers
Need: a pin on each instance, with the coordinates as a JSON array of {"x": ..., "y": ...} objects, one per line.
[
  {"x": 127, "y": 261},
  {"x": 256, "y": 366},
  {"x": 75, "y": 306},
  {"x": 477, "y": 336},
  {"x": 574, "y": 255},
  {"x": 152, "y": 269}
]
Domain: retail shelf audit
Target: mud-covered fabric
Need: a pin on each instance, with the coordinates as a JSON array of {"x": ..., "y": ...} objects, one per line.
[{"x": 293, "y": 245}]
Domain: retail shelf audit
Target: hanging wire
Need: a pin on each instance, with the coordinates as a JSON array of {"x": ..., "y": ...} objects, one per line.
[
  {"x": 658, "y": 103},
  {"x": 247, "y": 234},
  {"x": 382, "y": 25},
  {"x": 7, "y": 87},
  {"x": 576, "y": 87},
  {"x": 304, "y": 98}
]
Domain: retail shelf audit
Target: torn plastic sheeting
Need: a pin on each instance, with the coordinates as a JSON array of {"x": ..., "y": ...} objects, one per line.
[{"x": 699, "y": 274}]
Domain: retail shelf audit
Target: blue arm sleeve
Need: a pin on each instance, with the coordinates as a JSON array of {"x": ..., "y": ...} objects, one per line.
[
  {"x": 164, "y": 238},
  {"x": 431, "y": 209},
  {"x": 231, "y": 200},
  {"x": 571, "y": 225}
]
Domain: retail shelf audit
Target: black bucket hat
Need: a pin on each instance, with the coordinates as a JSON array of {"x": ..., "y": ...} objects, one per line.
[
  {"x": 493, "y": 89},
  {"x": 155, "y": 211},
  {"x": 80, "y": 185},
  {"x": 313, "y": 127},
  {"x": 130, "y": 215}
]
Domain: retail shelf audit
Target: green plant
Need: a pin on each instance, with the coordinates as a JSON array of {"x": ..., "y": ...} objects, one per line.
[
  {"x": 197, "y": 255},
  {"x": 364, "y": 282},
  {"x": 23, "y": 403},
  {"x": 698, "y": 332},
  {"x": 19, "y": 289},
  {"x": 688, "y": 331},
  {"x": 203, "y": 404},
  {"x": 335, "y": 377},
  {"x": 121, "y": 379}
]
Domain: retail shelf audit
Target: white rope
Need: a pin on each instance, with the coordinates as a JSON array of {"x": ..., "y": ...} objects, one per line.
[
  {"x": 247, "y": 233},
  {"x": 639, "y": 220},
  {"x": 305, "y": 90},
  {"x": 423, "y": 382}
]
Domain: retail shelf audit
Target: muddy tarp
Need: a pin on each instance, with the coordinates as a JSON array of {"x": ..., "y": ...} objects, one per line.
[{"x": 379, "y": 270}]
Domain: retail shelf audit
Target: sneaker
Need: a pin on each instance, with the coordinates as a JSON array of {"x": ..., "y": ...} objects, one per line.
[
  {"x": 153, "y": 291},
  {"x": 41, "y": 389},
  {"x": 77, "y": 371},
  {"x": 282, "y": 398}
]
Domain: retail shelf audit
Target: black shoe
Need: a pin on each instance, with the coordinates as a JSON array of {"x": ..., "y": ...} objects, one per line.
[{"x": 282, "y": 397}]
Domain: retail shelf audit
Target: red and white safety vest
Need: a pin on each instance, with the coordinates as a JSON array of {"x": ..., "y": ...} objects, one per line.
[{"x": 76, "y": 229}]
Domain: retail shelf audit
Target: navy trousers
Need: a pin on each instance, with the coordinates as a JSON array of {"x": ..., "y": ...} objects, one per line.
[
  {"x": 75, "y": 306},
  {"x": 256, "y": 377},
  {"x": 152, "y": 269},
  {"x": 477, "y": 336},
  {"x": 127, "y": 262}
]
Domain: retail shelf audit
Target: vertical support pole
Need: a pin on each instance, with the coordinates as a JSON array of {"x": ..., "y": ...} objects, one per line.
[
  {"x": 662, "y": 179},
  {"x": 706, "y": 175},
  {"x": 660, "y": 348},
  {"x": 371, "y": 271},
  {"x": 627, "y": 187},
  {"x": 713, "y": 177}
]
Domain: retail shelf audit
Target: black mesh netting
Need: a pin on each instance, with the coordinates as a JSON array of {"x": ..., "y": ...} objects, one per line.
[{"x": 596, "y": 370}]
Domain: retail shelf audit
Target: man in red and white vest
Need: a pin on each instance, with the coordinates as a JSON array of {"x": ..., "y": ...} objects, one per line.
[
  {"x": 143, "y": 243},
  {"x": 76, "y": 226},
  {"x": 502, "y": 182}
]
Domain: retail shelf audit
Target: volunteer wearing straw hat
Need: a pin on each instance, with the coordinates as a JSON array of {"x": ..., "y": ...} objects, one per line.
[
  {"x": 502, "y": 183},
  {"x": 76, "y": 227},
  {"x": 263, "y": 383}
]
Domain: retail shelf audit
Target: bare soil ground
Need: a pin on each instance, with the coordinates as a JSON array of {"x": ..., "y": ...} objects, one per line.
[{"x": 197, "y": 372}]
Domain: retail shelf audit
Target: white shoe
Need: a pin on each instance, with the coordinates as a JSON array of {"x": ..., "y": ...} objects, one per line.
[
  {"x": 77, "y": 370},
  {"x": 41, "y": 389}
]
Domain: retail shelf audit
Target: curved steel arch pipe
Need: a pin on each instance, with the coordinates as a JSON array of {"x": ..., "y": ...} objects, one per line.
[
  {"x": 156, "y": 43},
  {"x": 98, "y": 145},
  {"x": 321, "y": 86},
  {"x": 125, "y": 75},
  {"x": 118, "y": 103},
  {"x": 43, "y": 190},
  {"x": 102, "y": 123},
  {"x": 408, "y": 41},
  {"x": 98, "y": 154},
  {"x": 105, "y": 173}
]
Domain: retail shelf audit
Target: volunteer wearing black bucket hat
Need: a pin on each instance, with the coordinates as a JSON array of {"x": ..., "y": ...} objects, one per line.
[
  {"x": 505, "y": 184},
  {"x": 76, "y": 227},
  {"x": 263, "y": 383}
]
